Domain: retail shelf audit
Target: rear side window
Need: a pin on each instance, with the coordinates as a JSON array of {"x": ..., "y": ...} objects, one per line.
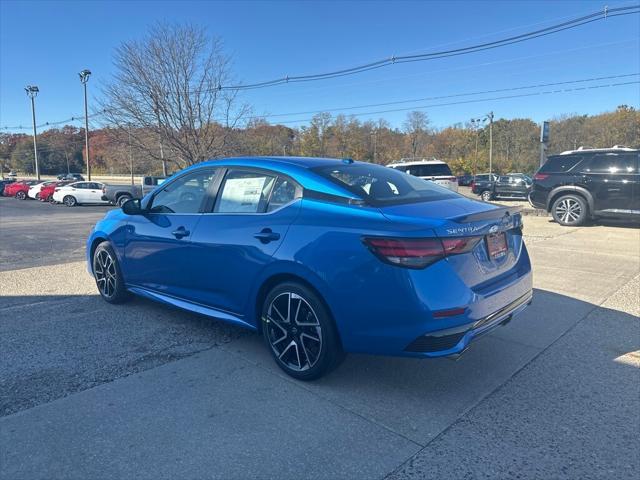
[
  {"x": 381, "y": 186},
  {"x": 612, "y": 163},
  {"x": 560, "y": 163},
  {"x": 283, "y": 192},
  {"x": 428, "y": 170},
  {"x": 244, "y": 192}
]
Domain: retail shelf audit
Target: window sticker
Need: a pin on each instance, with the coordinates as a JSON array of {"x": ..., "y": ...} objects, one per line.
[{"x": 241, "y": 195}]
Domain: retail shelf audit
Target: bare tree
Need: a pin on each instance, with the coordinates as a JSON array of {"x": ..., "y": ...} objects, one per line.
[
  {"x": 169, "y": 83},
  {"x": 415, "y": 126}
]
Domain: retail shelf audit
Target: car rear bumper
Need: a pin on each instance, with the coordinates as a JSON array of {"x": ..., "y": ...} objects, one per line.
[{"x": 454, "y": 341}]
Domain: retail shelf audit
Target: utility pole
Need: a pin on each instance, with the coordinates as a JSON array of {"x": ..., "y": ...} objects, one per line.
[
  {"x": 490, "y": 117},
  {"x": 32, "y": 93},
  {"x": 157, "y": 111},
  {"x": 130, "y": 155},
  {"x": 544, "y": 139},
  {"x": 84, "y": 78},
  {"x": 374, "y": 134}
]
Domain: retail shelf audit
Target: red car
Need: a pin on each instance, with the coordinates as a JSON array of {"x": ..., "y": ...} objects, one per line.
[
  {"x": 46, "y": 193},
  {"x": 19, "y": 189}
]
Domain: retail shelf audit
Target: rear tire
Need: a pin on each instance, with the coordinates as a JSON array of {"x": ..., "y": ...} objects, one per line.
[
  {"x": 70, "y": 201},
  {"x": 21, "y": 195},
  {"x": 570, "y": 210},
  {"x": 122, "y": 199},
  {"x": 108, "y": 276},
  {"x": 299, "y": 332},
  {"x": 486, "y": 196}
]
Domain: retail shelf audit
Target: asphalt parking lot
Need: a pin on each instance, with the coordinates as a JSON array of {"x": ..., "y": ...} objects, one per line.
[{"x": 92, "y": 390}]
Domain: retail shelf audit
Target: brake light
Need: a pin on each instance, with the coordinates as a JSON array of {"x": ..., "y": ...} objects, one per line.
[
  {"x": 541, "y": 176},
  {"x": 418, "y": 252},
  {"x": 473, "y": 184},
  {"x": 104, "y": 189}
]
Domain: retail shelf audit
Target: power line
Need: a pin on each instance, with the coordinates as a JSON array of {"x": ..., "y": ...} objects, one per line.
[
  {"x": 479, "y": 100},
  {"x": 605, "y": 13},
  {"x": 355, "y": 107}
]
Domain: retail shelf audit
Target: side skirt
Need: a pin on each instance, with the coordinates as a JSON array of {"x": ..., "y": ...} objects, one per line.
[{"x": 190, "y": 306}]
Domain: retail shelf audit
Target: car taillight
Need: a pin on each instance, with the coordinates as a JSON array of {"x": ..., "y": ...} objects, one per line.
[
  {"x": 472, "y": 184},
  {"x": 418, "y": 252},
  {"x": 541, "y": 176},
  {"x": 104, "y": 189}
]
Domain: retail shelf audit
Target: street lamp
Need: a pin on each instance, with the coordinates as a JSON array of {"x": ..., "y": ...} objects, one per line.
[
  {"x": 32, "y": 93},
  {"x": 84, "y": 78}
]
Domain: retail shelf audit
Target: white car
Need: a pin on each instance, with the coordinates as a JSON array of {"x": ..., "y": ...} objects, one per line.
[
  {"x": 433, "y": 170},
  {"x": 34, "y": 190},
  {"x": 79, "y": 193}
]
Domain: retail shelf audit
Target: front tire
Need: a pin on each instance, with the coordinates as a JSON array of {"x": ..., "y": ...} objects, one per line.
[
  {"x": 108, "y": 275},
  {"x": 70, "y": 201},
  {"x": 299, "y": 332},
  {"x": 486, "y": 196},
  {"x": 570, "y": 210}
]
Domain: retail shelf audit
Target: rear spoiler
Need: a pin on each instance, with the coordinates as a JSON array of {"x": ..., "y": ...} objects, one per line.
[{"x": 494, "y": 214}]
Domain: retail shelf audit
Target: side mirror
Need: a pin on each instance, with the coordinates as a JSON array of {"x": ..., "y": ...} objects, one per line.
[{"x": 132, "y": 207}]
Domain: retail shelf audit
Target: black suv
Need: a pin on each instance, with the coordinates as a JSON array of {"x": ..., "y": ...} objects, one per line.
[{"x": 587, "y": 183}]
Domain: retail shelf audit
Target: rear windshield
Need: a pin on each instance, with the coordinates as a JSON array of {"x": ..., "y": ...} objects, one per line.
[
  {"x": 380, "y": 186},
  {"x": 560, "y": 163},
  {"x": 426, "y": 170}
]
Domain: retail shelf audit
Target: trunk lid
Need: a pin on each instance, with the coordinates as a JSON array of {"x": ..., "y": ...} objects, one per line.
[{"x": 461, "y": 217}]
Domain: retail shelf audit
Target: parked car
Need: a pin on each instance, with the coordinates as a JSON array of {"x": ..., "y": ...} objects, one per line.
[
  {"x": 320, "y": 256},
  {"x": 34, "y": 190},
  {"x": 119, "y": 194},
  {"x": 513, "y": 186},
  {"x": 433, "y": 170},
  {"x": 578, "y": 185},
  {"x": 5, "y": 182},
  {"x": 18, "y": 189},
  {"x": 46, "y": 193},
  {"x": 71, "y": 176},
  {"x": 79, "y": 193},
  {"x": 482, "y": 182},
  {"x": 465, "y": 180}
]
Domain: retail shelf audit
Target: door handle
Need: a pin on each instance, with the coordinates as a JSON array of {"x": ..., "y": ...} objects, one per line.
[
  {"x": 180, "y": 233},
  {"x": 267, "y": 235}
]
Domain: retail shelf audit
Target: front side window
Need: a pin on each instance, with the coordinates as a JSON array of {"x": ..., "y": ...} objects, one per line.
[
  {"x": 379, "y": 185},
  {"x": 184, "y": 195},
  {"x": 244, "y": 192}
]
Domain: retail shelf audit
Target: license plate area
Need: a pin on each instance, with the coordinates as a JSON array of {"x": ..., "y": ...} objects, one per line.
[{"x": 496, "y": 245}]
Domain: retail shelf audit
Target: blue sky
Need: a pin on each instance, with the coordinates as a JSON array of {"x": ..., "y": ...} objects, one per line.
[{"x": 47, "y": 43}]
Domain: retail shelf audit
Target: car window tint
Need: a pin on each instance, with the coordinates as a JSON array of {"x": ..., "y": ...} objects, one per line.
[
  {"x": 244, "y": 192},
  {"x": 560, "y": 163},
  {"x": 284, "y": 192},
  {"x": 81, "y": 185},
  {"x": 504, "y": 179},
  {"x": 612, "y": 163},
  {"x": 384, "y": 186},
  {"x": 431, "y": 170},
  {"x": 184, "y": 195}
]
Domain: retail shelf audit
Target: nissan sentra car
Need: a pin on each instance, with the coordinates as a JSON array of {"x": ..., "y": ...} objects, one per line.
[{"x": 321, "y": 256}]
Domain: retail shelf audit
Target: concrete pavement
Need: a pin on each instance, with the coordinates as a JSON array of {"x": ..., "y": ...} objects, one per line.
[{"x": 554, "y": 394}]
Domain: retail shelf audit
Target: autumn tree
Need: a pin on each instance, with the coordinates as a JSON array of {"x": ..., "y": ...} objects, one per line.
[{"x": 415, "y": 127}]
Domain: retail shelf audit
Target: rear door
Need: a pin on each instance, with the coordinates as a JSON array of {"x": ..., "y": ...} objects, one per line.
[
  {"x": 239, "y": 236},
  {"x": 610, "y": 178},
  {"x": 94, "y": 192}
]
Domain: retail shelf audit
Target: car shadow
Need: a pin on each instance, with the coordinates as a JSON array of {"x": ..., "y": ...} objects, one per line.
[{"x": 608, "y": 222}]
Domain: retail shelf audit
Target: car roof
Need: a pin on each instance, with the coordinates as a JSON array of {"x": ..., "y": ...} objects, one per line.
[
  {"x": 424, "y": 161},
  {"x": 299, "y": 168}
]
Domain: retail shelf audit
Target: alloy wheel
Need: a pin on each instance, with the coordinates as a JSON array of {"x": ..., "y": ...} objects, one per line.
[
  {"x": 486, "y": 196},
  {"x": 69, "y": 201},
  {"x": 569, "y": 210},
  {"x": 104, "y": 270},
  {"x": 21, "y": 195},
  {"x": 293, "y": 331}
]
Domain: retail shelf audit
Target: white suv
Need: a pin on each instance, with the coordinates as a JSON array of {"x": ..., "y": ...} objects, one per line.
[{"x": 434, "y": 170}]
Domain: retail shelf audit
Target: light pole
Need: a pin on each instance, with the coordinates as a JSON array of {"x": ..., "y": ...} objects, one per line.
[
  {"x": 84, "y": 78},
  {"x": 32, "y": 93}
]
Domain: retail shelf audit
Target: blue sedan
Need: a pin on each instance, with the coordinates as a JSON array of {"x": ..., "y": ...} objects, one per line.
[{"x": 321, "y": 256}]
